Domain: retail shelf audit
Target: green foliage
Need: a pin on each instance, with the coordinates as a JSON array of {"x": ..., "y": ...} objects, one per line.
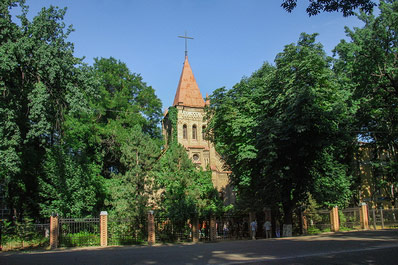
[
  {"x": 21, "y": 235},
  {"x": 65, "y": 126},
  {"x": 172, "y": 115},
  {"x": 81, "y": 239},
  {"x": 186, "y": 191},
  {"x": 71, "y": 185},
  {"x": 313, "y": 230},
  {"x": 41, "y": 82},
  {"x": 368, "y": 64},
  {"x": 131, "y": 190},
  {"x": 125, "y": 97},
  {"x": 332, "y": 185},
  {"x": 124, "y": 231},
  {"x": 232, "y": 121},
  {"x": 347, "y": 7},
  {"x": 283, "y": 130},
  {"x": 306, "y": 128}
]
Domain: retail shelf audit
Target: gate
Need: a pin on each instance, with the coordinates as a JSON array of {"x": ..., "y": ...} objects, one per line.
[
  {"x": 127, "y": 231},
  {"x": 168, "y": 231},
  {"x": 318, "y": 221},
  {"x": 230, "y": 227},
  {"x": 75, "y": 232},
  {"x": 350, "y": 218}
]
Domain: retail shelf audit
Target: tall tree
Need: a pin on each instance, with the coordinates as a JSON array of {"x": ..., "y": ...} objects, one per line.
[
  {"x": 284, "y": 129},
  {"x": 124, "y": 101},
  {"x": 130, "y": 191},
  {"x": 40, "y": 84},
  {"x": 233, "y": 119},
  {"x": 368, "y": 64},
  {"x": 306, "y": 129}
]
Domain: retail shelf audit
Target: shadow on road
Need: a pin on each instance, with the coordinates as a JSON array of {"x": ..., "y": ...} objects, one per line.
[{"x": 360, "y": 247}]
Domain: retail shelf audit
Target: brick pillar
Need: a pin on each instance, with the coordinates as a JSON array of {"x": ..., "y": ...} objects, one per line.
[
  {"x": 213, "y": 228},
  {"x": 104, "y": 228},
  {"x": 195, "y": 230},
  {"x": 54, "y": 230},
  {"x": 151, "y": 228},
  {"x": 334, "y": 219},
  {"x": 364, "y": 216}
]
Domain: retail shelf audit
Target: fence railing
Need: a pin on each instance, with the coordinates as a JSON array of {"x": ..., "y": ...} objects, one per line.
[
  {"x": 383, "y": 218},
  {"x": 23, "y": 235},
  {"x": 69, "y": 232},
  {"x": 230, "y": 227},
  {"x": 168, "y": 231},
  {"x": 350, "y": 218},
  {"x": 318, "y": 221},
  {"x": 127, "y": 231},
  {"x": 79, "y": 232}
]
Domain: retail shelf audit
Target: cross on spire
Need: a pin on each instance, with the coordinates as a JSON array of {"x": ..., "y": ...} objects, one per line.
[{"x": 186, "y": 42}]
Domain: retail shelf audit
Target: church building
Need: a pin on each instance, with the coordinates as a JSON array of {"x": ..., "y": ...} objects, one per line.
[{"x": 191, "y": 126}]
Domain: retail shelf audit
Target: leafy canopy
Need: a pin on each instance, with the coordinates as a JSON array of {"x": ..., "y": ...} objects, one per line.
[{"x": 347, "y": 7}]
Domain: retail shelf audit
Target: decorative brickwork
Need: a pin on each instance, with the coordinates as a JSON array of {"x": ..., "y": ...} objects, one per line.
[
  {"x": 151, "y": 228},
  {"x": 54, "y": 231},
  {"x": 364, "y": 216},
  {"x": 104, "y": 228},
  {"x": 334, "y": 219}
]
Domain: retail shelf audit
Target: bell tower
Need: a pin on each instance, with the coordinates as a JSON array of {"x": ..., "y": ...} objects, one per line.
[{"x": 190, "y": 105}]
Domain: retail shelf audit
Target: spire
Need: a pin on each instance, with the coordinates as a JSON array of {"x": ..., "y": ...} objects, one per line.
[{"x": 188, "y": 93}]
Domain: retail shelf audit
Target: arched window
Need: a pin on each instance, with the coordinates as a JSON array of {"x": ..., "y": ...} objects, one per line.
[
  {"x": 184, "y": 131},
  {"x": 194, "y": 132},
  {"x": 203, "y": 132}
]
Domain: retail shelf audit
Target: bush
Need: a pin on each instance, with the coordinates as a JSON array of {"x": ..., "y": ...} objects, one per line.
[
  {"x": 21, "y": 235},
  {"x": 80, "y": 239}
]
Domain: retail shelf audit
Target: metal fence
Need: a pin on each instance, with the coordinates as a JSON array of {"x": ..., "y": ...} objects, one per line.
[
  {"x": 79, "y": 232},
  {"x": 390, "y": 218},
  {"x": 127, "y": 231},
  {"x": 168, "y": 231},
  {"x": 383, "y": 218},
  {"x": 350, "y": 218},
  {"x": 318, "y": 221},
  {"x": 22, "y": 235},
  {"x": 235, "y": 227}
]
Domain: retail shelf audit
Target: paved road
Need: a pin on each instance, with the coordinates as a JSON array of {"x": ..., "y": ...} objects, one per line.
[{"x": 361, "y": 247}]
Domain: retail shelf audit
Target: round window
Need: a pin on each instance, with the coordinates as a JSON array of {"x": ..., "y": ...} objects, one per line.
[{"x": 195, "y": 157}]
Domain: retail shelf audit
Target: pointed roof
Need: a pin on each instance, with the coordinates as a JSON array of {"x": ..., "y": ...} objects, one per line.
[{"x": 188, "y": 93}]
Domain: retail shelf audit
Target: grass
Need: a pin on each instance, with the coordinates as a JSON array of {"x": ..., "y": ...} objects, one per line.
[{"x": 15, "y": 243}]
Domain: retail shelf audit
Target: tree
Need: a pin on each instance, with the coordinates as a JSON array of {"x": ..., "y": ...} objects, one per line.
[
  {"x": 125, "y": 127},
  {"x": 289, "y": 131},
  {"x": 124, "y": 101},
  {"x": 41, "y": 82},
  {"x": 368, "y": 64},
  {"x": 306, "y": 128},
  {"x": 347, "y": 7},
  {"x": 233, "y": 119},
  {"x": 131, "y": 190}
]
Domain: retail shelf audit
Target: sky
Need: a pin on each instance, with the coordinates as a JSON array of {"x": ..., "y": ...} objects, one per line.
[{"x": 232, "y": 38}]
